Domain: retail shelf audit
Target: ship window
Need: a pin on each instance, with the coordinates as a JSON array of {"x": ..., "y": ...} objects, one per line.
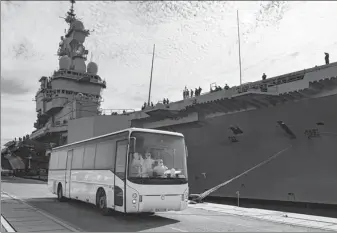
[
  {"x": 77, "y": 158},
  {"x": 105, "y": 156},
  {"x": 62, "y": 91},
  {"x": 89, "y": 157},
  {"x": 62, "y": 160},
  {"x": 58, "y": 91}
]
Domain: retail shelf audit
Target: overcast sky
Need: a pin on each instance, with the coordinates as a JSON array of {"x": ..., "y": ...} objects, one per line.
[{"x": 196, "y": 44}]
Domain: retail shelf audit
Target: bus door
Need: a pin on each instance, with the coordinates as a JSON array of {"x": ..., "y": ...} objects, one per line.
[
  {"x": 68, "y": 174},
  {"x": 120, "y": 175}
]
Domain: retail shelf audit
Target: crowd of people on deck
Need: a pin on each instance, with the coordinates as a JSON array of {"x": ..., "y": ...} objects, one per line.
[
  {"x": 115, "y": 113},
  {"x": 218, "y": 88},
  {"x": 191, "y": 93},
  {"x": 166, "y": 101}
]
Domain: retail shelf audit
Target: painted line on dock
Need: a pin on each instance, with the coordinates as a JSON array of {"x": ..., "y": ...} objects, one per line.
[
  {"x": 53, "y": 218},
  {"x": 5, "y": 224}
]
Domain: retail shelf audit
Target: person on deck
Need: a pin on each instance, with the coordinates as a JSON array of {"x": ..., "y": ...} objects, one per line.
[{"x": 327, "y": 62}]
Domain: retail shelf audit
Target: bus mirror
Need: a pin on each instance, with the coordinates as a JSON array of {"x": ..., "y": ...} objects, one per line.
[
  {"x": 186, "y": 151},
  {"x": 132, "y": 147}
]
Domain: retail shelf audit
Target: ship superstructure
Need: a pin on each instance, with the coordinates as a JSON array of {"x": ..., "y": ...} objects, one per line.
[{"x": 73, "y": 91}]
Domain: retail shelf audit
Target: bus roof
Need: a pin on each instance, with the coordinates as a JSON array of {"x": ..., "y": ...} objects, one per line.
[{"x": 122, "y": 131}]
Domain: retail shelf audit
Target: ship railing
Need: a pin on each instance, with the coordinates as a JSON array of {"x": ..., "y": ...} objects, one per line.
[
  {"x": 38, "y": 132},
  {"x": 78, "y": 75},
  {"x": 47, "y": 127},
  {"x": 259, "y": 87},
  {"x": 115, "y": 111},
  {"x": 265, "y": 86}
]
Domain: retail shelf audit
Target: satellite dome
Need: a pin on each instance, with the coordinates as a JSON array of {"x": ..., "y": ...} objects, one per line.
[
  {"x": 79, "y": 65},
  {"x": 92, "y": 68},
  {"x": 78, "y": 25},
  {"x": 65, "y": 62}
]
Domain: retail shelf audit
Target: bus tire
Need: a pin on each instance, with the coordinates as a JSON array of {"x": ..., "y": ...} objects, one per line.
[
  {"x": 60, "y": 196},
  {"x": 102, "y": 202}
]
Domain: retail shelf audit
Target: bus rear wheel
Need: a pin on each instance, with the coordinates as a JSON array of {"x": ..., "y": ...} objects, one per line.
[
  {"x": 102, "y": 203},
  {"x": 60, "y": 196}
]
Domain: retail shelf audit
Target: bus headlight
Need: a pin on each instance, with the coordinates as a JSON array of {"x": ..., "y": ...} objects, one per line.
[
  {"x": 134, "y": 201},
  {"x": 186, "y": 195},
  {"x": 134, "y": 195}
]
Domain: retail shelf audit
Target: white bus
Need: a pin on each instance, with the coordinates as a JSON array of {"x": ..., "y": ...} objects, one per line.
[{"x": 130, "y": 171}]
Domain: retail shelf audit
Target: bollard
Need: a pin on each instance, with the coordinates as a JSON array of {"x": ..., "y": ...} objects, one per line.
[{"x": 238, "y": 194}]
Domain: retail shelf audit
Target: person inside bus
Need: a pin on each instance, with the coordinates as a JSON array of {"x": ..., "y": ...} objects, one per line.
[
  {"x": 148, "y": 164},
  {"x": 136, "y": 165},
  {"x": 160, "y": 168}
]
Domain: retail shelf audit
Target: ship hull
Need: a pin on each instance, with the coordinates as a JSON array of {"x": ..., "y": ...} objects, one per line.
[{"x": 304, "y": 170}]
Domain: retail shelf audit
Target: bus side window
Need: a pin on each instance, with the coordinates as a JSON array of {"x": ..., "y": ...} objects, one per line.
[
  {"x": 121, "y": 151},
  {"x": 89, "y": 157},
  {"x": 77, "y": 162},
  {"x": 62, "y": 160},
  {"x": 105, "y": 159}
]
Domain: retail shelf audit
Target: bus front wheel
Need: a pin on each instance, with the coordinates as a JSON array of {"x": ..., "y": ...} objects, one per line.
[{"x": 102, "y": 202}]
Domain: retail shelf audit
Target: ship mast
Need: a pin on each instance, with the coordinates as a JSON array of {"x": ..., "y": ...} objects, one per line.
[
  {"x": 237, "y": 16},
  {"x": 149, "y": 98},
  {"x": 71, "y": 15}
]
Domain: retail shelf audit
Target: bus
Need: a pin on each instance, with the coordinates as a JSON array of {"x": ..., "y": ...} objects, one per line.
[{"x": 131, "y": 171}]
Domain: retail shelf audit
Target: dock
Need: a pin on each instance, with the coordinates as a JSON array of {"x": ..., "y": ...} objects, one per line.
[{"x": 28, "y": 206}]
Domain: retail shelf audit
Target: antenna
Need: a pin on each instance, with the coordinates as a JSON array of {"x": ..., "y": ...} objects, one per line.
[
  {"x": 148, "y": 101},
  {"x": 72, "y": 8},
  {"x": 237, "y": 14}
]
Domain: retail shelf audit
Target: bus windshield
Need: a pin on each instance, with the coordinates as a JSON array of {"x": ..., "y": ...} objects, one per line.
[{"x": 158, "y": 159}]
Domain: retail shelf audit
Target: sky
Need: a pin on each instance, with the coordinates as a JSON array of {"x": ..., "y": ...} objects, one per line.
[{"x": 196, "y": 45}]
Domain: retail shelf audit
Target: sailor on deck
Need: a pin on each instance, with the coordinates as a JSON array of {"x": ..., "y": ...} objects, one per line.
[{"x": 327, "y": 59}]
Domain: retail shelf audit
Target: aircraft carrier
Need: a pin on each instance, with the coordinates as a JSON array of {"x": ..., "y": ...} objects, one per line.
[{"x": 274, "y": 139}]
